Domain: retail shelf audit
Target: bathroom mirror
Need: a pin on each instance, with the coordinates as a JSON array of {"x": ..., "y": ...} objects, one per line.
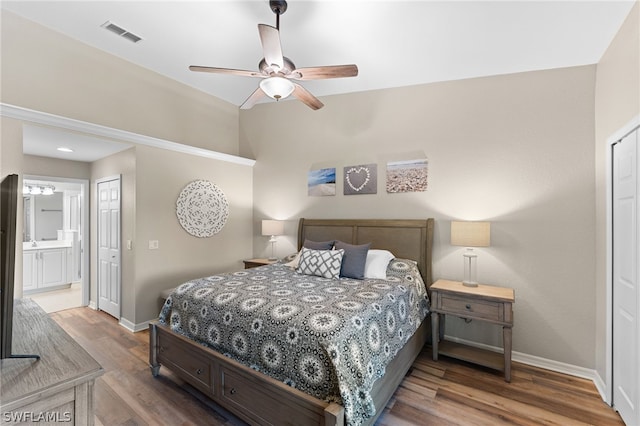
[{"x": 43, "y": 216}]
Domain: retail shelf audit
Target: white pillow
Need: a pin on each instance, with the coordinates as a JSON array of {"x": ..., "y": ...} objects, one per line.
[
  {"x": 294, "y": 262},
  {"x": 376, "y": 264}
]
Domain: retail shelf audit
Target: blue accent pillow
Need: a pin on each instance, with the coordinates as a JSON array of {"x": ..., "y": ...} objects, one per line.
[
  {"x": 354, "y": 259},
  {"x": 317, "y": 245}
]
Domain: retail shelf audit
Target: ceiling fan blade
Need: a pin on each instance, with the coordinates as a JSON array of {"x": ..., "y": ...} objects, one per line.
[
  {"x": 214, "y": 70},
  {"x": 319, "y": 73},
  {"x": 253, "y": 99},
  {"x": 305, "y": 96},
  {"x": 271, "y": 47}
]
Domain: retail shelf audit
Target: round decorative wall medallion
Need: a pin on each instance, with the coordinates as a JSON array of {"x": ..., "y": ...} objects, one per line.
[{"x": 202, "y": 208}]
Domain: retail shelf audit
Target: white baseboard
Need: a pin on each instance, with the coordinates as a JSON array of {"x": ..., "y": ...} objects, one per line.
[
  {"x": 601, "y": 386},
  {"x": 547, "y": 364},
  {"x": 134, "y": 328},
  {"x": 92, "y": 305}
]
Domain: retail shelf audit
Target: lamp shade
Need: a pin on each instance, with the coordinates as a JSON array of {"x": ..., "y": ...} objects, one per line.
[
  {"x": 272, "y": 227},
  {"x": 470, "y": 234},
  {"x": 276, "y": 87}
]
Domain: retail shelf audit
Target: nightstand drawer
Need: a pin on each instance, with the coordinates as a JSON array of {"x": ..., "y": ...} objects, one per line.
[{"x": 472, "y": 308}]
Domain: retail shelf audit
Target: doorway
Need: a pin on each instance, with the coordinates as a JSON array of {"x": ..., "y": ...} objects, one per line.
[{"x": 55, "y": 240}]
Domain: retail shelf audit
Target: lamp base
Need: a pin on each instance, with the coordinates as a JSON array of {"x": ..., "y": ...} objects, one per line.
[
  {"x": 469, "y": 283},
  {"x": 273, "y": 248}
]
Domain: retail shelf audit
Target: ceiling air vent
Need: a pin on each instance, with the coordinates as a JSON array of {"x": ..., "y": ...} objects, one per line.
[{"x": 116, "y": 29}]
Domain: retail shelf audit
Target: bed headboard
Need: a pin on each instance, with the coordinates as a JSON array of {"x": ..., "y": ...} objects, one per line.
[{"x": 405, "y": 238}]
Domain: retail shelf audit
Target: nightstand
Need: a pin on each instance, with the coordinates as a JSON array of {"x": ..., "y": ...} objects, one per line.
[
  {"x": 252, "y": 263},
  {"x": 482, "y": 303}
]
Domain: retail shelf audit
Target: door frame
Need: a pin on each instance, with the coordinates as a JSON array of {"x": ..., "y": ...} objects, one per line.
[
  {"x": 117, "y": 177},
  {"x": 612, "y": 140},
  {"x": 86, "y": 250}
]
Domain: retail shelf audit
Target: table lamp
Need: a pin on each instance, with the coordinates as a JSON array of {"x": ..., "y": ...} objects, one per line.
[
  {"x": 272, "y": 228},
  {"x": 469, "y": 235}
]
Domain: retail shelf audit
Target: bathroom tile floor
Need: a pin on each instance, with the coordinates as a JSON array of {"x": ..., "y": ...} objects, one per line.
[{"x": 59, "y": 300}]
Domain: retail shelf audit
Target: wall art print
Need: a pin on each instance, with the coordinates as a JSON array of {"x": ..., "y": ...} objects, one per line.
[
  {"x": 202, "y": 209},
  {"x": 407, "y": 175},
  {"x": 321, "y": 182},
  {"x": 361, "y": 179}
]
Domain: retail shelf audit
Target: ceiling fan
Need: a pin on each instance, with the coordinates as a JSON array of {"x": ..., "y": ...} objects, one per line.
[{"x": 278, "y": 71}]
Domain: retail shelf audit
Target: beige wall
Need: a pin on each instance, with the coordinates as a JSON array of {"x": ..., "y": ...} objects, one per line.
[
  {"x": 160, "y": 177},
  {"x": 44, "y": 166},
  {"x": 617, "y": 103},
  {"x": 10, "y": 163},
  {"x": 515, "y": 149},
  {"x": 45, "y": 71}
]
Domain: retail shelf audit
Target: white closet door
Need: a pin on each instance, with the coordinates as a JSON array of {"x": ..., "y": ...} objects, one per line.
[
  {"x": 109, "y": 247},
  {"x": 626, "y": 277}
]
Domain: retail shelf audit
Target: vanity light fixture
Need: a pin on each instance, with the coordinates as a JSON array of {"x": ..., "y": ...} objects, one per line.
[{"x": 44, "y": 189}]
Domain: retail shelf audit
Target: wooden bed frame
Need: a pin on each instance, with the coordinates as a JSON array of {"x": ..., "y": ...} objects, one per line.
[{"x": 259, "y": 399}]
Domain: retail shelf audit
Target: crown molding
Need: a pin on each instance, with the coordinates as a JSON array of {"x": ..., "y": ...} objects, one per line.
[{"x": 39, "y": 117}]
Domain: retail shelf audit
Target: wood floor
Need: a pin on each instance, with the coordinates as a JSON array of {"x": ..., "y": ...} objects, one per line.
[{"x": 446, "y": 392}]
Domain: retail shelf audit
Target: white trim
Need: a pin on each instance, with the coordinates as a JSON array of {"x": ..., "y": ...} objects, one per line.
[
  {"x": 536, "y": 361},
  {"x": 92, "y": 305},
  {"x": 615, "y": 137},
  {"x": 25, "y": 114},
  {"x": 601, "y": 386},
  {"x": 134, "y": 328}
]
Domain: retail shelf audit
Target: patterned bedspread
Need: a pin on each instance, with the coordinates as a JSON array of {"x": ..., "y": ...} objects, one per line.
[{"x": 329, "y": 338}]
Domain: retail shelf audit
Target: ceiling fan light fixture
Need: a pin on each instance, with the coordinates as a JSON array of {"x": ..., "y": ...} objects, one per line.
[{"x": 277, "y": 87}]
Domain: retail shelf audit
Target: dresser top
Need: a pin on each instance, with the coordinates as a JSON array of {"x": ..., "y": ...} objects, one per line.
[{"x": 63, "y": 362}]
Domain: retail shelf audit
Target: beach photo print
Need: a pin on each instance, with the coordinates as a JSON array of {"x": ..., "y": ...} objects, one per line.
[
  {"x": 407, "y": 175},
  {"x": 321, "y": 182}
]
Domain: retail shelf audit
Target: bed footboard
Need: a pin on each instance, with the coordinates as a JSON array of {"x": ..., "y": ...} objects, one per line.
[
  {"x": 259, "y": 399},
  {"x": 251, "y": 395}
]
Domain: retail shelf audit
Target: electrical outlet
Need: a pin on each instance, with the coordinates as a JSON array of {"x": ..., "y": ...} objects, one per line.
[{"x": 154, "y": 245}]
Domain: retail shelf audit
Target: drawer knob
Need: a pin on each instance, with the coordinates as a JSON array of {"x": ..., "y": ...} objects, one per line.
[
  {"x": 468, "y": 306},
  {"x": 198, "y": 371},
  {"x": 232, "y": 391}
]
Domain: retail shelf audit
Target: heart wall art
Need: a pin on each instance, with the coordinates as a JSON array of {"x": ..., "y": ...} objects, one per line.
[{"x": 361, "y": 179}]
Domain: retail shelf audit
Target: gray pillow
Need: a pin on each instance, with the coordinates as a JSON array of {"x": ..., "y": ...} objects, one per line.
[
  {"x": 354, "y": 259},
  {"x": 317, "y": 245}
]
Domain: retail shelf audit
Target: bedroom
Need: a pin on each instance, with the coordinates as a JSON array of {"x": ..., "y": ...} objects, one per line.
[{"x": 523, "y": 150}]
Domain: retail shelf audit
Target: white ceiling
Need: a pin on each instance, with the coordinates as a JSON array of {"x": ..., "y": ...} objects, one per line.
[{"x": 394, "y": 43}]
